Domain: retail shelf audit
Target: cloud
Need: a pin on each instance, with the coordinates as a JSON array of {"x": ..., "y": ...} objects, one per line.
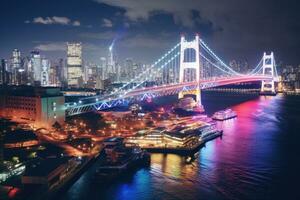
[
  {"x": 107, "y": 23},
  {"x": 182, "y": 12},
  {"x": 54, "y": 20},
  {"x": 142, "y": 41},
  {"x": 235, "y": 28},
  {"x": 76, "y": 23},
  {"x": 55, "y": 46},
  {"x": 107, "y": 35}
]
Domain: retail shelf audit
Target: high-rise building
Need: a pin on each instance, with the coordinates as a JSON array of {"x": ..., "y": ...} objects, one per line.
[
  {"x": 15, "y": 67},
  {"x": 3, "y": 73},
  {"x": 56, "y": 73},
  {"x": 111, "y": 68},
  {"x": 16, "y": 58},
  {"x": 74, "y": 64},
  {"x": 129, "y": 68},
  {"x": 29, "y": 70},
  {"x": 35, "y": 64},
  {"x": 45, "y": 72},
  {"x": 103, "y": 65}
]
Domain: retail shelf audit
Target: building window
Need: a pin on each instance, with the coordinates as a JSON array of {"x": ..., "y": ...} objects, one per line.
[{"x": 54, "y": 106}]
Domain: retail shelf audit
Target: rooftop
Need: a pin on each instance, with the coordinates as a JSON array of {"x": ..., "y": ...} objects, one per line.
[
  {"x": 19, "y": 136},
  {"x": 178, "y": 134},
  {"x": 30, "y": 91},
  {"x": 43, "y": 168},
  {"x": 113, "y": 139}
]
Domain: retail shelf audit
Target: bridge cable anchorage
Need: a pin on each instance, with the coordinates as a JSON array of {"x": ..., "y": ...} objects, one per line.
[
  {"x": 215, "y": 64},
  {"x": 211, "y": 53}
]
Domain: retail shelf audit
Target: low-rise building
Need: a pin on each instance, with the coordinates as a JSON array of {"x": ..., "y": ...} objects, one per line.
[
  {"x": 164, "y": 139},
  {"x": 20, "y": 139},
  {"x": 38, "y": 106},
  {"x": 49, "y": 172}
]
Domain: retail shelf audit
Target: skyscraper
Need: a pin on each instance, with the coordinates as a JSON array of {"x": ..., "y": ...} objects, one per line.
[
  {"x": 45, "y": 72},
  {"x": 103, "y": 66},
  {"x": 3, "y": 72},
  {"x": 15, "y": 66},
  {"x": 36, "y": 65},
  {"x": 74, "y": 64}
]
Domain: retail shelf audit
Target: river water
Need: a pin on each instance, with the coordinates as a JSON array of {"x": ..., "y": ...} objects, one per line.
[{"x": 257, "y": 158}]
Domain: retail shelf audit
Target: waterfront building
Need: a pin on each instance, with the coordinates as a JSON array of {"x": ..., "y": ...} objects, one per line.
[
  {"x": 153, "y": 138},
  {"x": 74, "y": 64},
  {"x": 159, "y": 138},
  {"x": 179, "y": 140},
  {"x": 290, "y": 78},
  {"x": 49, "y": 172},
  {"x": 37, "y": 106}
]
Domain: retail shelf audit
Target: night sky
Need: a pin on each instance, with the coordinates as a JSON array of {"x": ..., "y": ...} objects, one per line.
[{"x": 145, "y": 29}]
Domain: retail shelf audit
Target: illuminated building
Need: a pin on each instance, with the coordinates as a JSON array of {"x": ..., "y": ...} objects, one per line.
[
  {"x": 38, "y": 106},
  {"x": 3, "y": 73},
  {"x": 163, "y": 139},
  {"x": 36, "y": 65},
  {"x": 153, "y": 138},
  {"x": 103, "y": 66},
  {"x": 45, "y": 72},
  {"x": 179, "y": 140},
  {"x": 56, "y": 73},
  {"x": 74, "y": 64},
  {"x": 15, "y": 66}
]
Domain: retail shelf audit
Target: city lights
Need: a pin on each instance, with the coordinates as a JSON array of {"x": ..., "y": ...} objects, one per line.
[{"x": 107, "y": 100}]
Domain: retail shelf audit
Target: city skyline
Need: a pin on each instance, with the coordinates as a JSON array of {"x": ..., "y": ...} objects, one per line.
[
  {"x": 149, "y": 99},
  {"x": 144, "y": 30}
]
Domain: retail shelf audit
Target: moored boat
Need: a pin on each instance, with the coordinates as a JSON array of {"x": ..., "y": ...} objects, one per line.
[
  {"x": 119, "y": 159},
  {"x": 224, "y": 115}
]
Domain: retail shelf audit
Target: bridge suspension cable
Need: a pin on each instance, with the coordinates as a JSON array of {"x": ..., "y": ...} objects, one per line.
[
  {"x": 145, "y": 73},
  {"x": 210, "y": 62},
  {"x": 212, "y": 54},
  {"x": 257, "y": 68},
  {"x": 159, "y": 69}
]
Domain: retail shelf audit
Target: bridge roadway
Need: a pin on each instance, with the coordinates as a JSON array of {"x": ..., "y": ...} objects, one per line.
[{"x": 108, "y": 101}]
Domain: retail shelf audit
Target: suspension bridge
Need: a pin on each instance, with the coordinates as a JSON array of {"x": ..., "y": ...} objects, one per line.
[{"x": 186, "y": 69}]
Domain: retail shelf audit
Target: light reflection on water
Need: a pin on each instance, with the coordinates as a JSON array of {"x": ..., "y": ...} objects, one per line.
[{"x": 250, "y": 161}]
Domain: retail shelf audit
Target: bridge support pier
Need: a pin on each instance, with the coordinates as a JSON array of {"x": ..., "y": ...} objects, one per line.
[
  {"x": 268, "y": 87},
  {"x": 190, "y": 59}
]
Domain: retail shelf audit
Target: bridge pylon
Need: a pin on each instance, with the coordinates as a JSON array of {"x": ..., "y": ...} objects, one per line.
[
  {"x": 268, "y": 87},
  {"x": 190, "y": 60}
]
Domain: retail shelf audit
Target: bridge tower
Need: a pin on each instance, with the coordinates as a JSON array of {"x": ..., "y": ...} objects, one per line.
[
  {"x": 190, "y": 60},
  {"x": 268, "y": 87}
]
